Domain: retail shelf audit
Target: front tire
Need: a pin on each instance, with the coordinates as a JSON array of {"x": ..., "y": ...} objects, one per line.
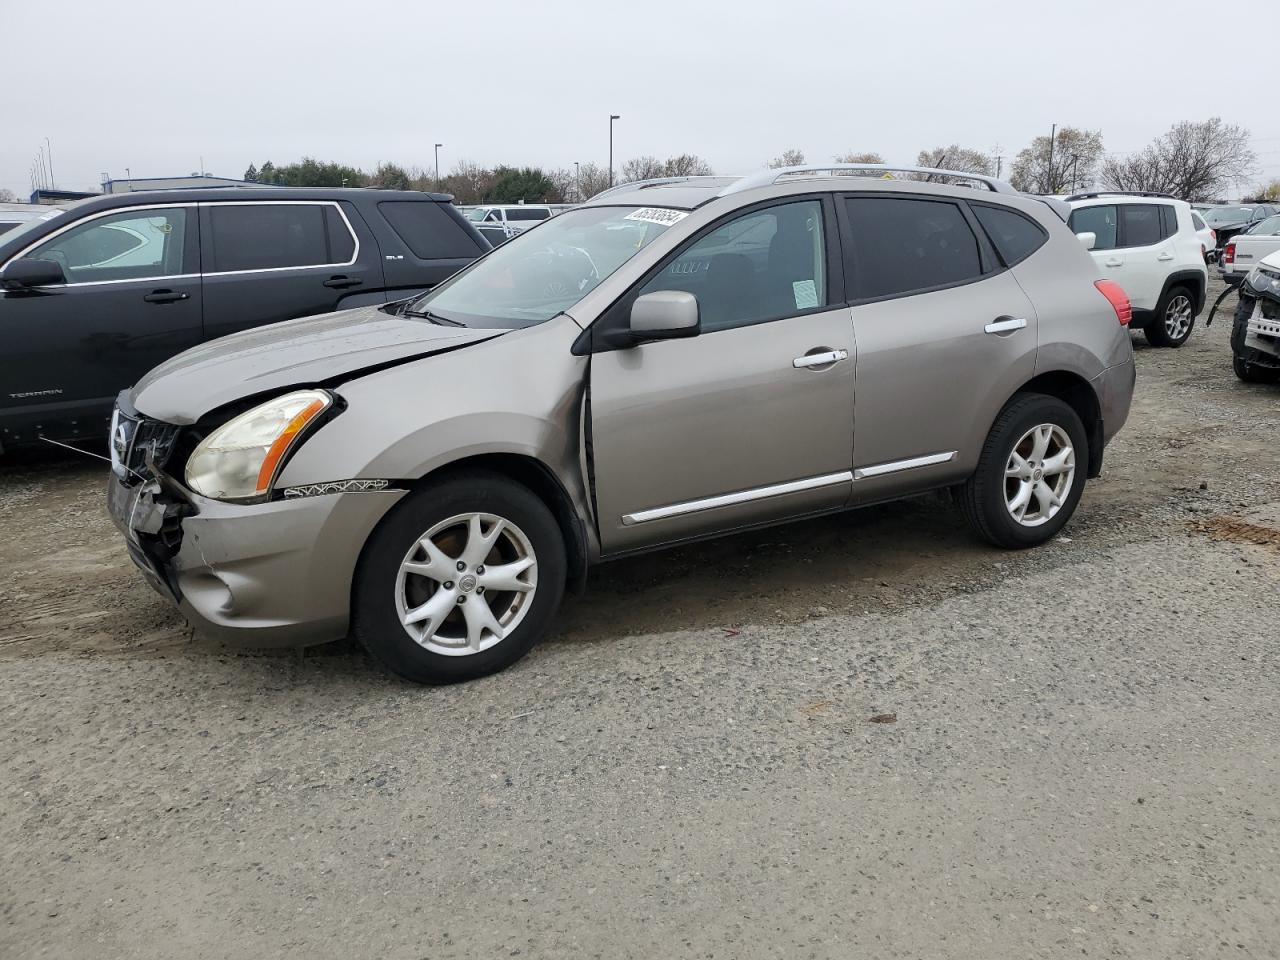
[
  {"x": 1174, "y": 320},
  {"x": 1252, "y": 373},
  {"x": 1030, "y": 474},
  {"x": 459, "y": 580}
]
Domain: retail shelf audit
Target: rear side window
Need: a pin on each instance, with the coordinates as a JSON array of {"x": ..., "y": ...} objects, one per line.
[
  {"x": 427, "y": 229},
  {"x": 1015, "y": 237},
  {"x": 267, "y": 236},
  {"x": 530, "y": 214},
  {"x": 1197, "y": 221},
  {"x": 1140, "y": 224},
  {"x": 901, "y": 245},
  {"x": 1168, "y": 221},
  {"x": 1100, "y": 221}
]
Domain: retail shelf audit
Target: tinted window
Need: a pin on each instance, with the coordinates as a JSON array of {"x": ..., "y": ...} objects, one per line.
[
  {"x": 1197, "y": 221},
  {"x": 5, "y": 226},
  {"x": 132, "y": 245},
  {"x": 763, "y": 265},
  {"x": 1100, "y": 221},
  {"x": 1014, "y": 236},
  {"x": 1168, "y": 221},
  {"x": 901, "y": 245},
  {"x": 1141, "y": 223},
  {"x": 428, "y": 230},
  {"x": 530, "y": 214},
  {"x": 342, "y": 245},
  {"x": 258, "y": 236}
]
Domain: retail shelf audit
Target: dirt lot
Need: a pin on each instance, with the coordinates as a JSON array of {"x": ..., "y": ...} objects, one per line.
[{"x": 1084, "y": 757}]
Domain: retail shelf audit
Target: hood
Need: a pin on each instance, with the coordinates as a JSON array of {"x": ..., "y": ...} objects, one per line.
[
  {"x": 1271, "y": 261},
  {"x": 305, "y": 352}
]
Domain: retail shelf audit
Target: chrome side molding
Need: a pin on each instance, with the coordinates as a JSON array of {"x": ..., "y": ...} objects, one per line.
[
  {"x": 894, "y": 466},
  {"x": 730, "y": 499}
]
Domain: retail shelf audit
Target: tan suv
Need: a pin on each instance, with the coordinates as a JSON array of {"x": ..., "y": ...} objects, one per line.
[{"x": 669, "y": 361}]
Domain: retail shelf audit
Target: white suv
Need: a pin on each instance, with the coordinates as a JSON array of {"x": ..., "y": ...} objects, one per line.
[{"x": 1147, "y": 242}]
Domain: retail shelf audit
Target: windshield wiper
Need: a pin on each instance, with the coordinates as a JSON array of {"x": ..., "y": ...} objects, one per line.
[{"x": 433, "y": 317}]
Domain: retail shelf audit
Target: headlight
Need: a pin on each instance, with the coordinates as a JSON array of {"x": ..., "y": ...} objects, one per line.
[
  {"x": 1263, "y": 281},
  {"x": 239, "y": 460}
]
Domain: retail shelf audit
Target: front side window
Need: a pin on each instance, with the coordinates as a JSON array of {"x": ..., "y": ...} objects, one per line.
[
  {"x": 763, "y": 265},
  {"x": 903, "y": 246},
  {"x": 1140, "y": 224},
  {"x": 544, "y": 272},
  {"x": 133, "y": 245},
  {"x": 1269, "y": 227},
  {"x": 268, "y": 236},
  {"x": 1100, "y": 221},
  {"x": 531, "y": 213}
]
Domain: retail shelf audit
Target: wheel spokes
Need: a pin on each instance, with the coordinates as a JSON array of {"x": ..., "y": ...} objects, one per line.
[
  {"x": 432, "y": 613},
  {"x": 479, "y": 618},
  {"x": 1040, "y": 446},
  {"x": 480, "y": 541},
  {"x": 1017, "y": 467},
  {"x": 438, "y": 566},
  {"x": 1060, "y": 462},
  {"x": 508, "y": 576}
]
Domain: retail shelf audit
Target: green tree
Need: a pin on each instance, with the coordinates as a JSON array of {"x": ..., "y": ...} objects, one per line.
[
  {"x": 513, "y": 184},
  {"x": 389, "y": 176}
]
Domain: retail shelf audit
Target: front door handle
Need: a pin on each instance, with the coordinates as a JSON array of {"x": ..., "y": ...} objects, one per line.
[
  {"x": 824, "y": 358},
  {"x": 1005, "y": 325},
  {"x": 342, "y": 282},
  {"x": 165, "y": 296}
]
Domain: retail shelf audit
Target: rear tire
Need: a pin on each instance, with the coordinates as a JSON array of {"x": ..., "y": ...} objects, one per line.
[
  {"x": 1017, "y": 472},
  {"x": 482, "y": 595},
  {"x": 1174, "y": 320}
]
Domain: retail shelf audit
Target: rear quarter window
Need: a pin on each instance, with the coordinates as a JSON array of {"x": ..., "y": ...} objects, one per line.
[
  {"x": 1014, "y": 236},
  {"x": 428, "y": 230}
]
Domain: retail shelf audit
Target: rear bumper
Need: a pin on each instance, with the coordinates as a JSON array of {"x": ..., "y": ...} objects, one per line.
[
  {"x": 261, "y": 575},
  {"x": 1114, "y": 389}
]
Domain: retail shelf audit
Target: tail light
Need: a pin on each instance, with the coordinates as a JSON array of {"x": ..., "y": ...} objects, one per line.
[
  {"x": 1118, "y": 299},
  {"x": 1214, "y": 233},
  {"x": 1229, "y": 254}
]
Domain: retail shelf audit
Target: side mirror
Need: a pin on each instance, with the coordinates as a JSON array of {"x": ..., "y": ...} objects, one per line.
[
  {"x": 665, "y": 315},
  {"x": 1088, "y": 238},
  {"x": 26, "y": 273}
]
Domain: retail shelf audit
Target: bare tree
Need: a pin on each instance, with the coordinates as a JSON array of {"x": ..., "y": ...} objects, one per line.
[
  {"x": 7, "y": 196},
  {"x": 592, "y": 178},
  {"x": 1070, "y": 161},
  {"x": 852, "y": 157},
  {"x": 789, "y": 158},
  {"x": 1194, "y": 161},
  {"x": 468, "y": 182},
  {"x": 686, "y": 165},
  {"x": 641, "y": 168},
  {"x": 956, "y": 157}
]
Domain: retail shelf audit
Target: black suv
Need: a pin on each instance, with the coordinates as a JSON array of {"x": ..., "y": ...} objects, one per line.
[{"x": 94, "y": 295}]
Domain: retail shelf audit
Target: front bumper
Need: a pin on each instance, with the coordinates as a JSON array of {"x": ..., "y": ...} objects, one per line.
[{"x": 258, "y": 575}]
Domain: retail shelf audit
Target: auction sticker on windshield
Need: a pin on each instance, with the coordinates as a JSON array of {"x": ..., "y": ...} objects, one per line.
[{"x": 657, "y": 215}]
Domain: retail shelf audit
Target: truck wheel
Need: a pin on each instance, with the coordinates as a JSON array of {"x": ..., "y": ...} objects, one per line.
[
  {"x": 459, "y": 580},
  {"x": 1252, "y": 373},
  {"x": 1030, "y": 474},
  {"x": 1174, "y": 319}
]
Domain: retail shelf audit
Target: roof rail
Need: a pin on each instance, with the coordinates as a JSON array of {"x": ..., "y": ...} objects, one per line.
[
  {"x": 1090, "y": 194},
  {"x": 654, "y": 182},
  {"x": 767, "y": 178}
]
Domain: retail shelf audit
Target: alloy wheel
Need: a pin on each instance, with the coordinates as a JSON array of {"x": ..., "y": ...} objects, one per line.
[
  {"x": 466, "y": 584},
  {"x": 1039, "y": 474},
  {"x": 1177, "y": 317}
]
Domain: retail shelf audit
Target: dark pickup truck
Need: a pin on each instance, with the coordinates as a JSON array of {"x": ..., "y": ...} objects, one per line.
[{"x": 94, "y": 295}]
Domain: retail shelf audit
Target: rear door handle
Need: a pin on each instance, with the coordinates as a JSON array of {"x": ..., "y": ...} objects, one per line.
[
  {"x": 1165, "y": 256},
  {"x": 341, "y": 282},
  {"x": 823, "y": 359},
  {"x": 1115, "y": 263},
  {"x": 1005, "y": 325},
  {"x": 165, "y": 296}
]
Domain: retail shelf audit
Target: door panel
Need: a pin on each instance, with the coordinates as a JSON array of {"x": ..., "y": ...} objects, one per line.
[
  {"x": 679, "y": 421},
  {"x": 931, "y": 380},
  {"x": 132, "y": 301},
  {"x": 1147, "y": 257},
  {"x": 264, "y": 262}
]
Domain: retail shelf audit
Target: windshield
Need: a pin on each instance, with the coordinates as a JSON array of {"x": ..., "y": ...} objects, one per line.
[
  {"x": 1228, "y": 214},
  {"x": 1269, "y": 227},
  {"x": 545, "y": 270},
  {"x": 32, "y": 225}
]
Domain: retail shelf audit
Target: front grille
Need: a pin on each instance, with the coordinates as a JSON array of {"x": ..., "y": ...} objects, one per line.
[{"x": 133, "y": 439}]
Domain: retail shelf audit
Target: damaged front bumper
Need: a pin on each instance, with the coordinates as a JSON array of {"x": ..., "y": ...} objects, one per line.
[
  {"x": 261, "y": 575},
  {"x": 1255, "y": 336}
]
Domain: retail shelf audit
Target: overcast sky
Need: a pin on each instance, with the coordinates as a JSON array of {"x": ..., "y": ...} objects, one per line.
[{"x": 155, "y": 85}]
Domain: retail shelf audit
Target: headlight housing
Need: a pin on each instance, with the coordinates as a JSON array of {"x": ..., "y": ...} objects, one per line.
[
  {"x": 239, "y": 460},
  {"x": 1263, "y": 281}
]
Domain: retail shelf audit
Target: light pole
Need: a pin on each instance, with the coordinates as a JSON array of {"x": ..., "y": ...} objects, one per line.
[
  {"x": 577, "y": 183},
  {"x": 438, "y": 146},
  {"x": 49, "y": 154},
  {"x": 1053, "y": 135},
  {"x": 612, "y": 117}
]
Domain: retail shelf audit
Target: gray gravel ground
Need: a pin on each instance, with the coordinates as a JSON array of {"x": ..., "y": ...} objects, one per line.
[{"x": 1085, "y": 758}]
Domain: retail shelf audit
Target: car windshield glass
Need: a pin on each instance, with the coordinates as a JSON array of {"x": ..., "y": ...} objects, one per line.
[
  {"x": 545, "y": 270},
  {"x": 1269, "y": 227},
  {"x": 31, "y": 226},
  {"x": 477, "y": 214},
  {"x": 1228, "y": 214}
]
